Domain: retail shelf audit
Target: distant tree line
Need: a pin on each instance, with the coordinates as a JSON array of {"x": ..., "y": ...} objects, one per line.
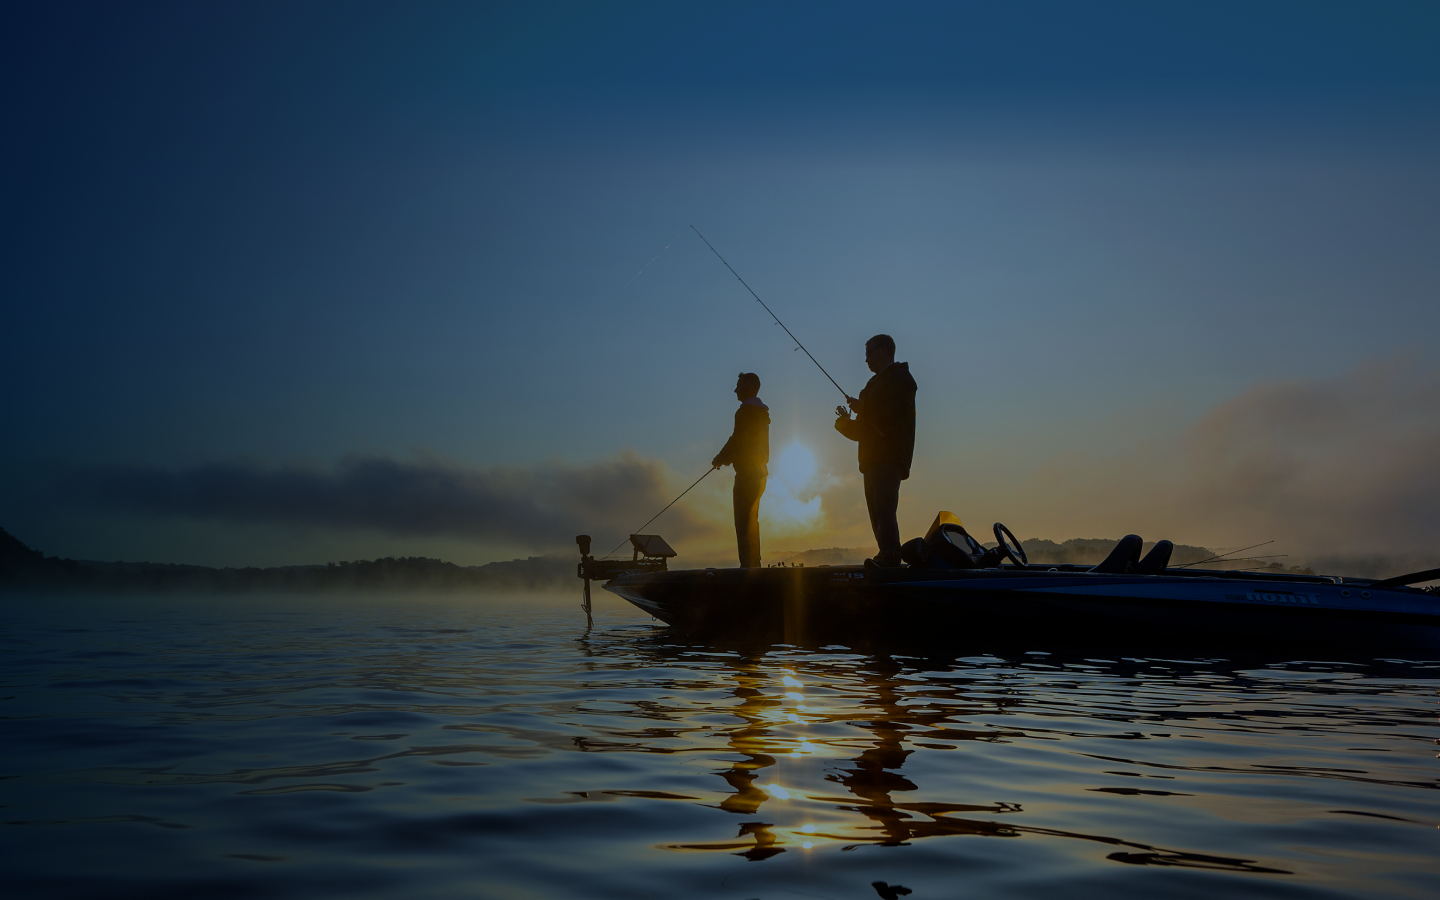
[
  {"x": 1090, "y": 551},
  {"x": 22, "y": 567},
  {"x": 1075, "y": 552}
]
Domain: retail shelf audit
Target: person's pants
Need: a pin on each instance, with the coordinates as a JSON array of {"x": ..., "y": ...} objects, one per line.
[
  {"x": 749, "y": 485},
  {"x": 882, "y": 498}
]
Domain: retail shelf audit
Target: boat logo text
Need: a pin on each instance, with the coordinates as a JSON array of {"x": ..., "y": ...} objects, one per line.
[{"x": 1268, "y": 597}]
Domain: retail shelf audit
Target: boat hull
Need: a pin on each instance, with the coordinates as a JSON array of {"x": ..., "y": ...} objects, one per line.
[{"x": 810, "y": 605}]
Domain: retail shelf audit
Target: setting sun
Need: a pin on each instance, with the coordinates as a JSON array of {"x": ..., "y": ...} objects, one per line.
[{"x": 790, "y": 495}]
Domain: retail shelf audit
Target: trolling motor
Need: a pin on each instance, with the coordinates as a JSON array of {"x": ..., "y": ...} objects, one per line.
[{"x": 650, "y": 554}]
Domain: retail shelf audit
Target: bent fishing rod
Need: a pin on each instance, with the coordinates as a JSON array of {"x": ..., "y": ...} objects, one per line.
[
  {"x": 777, "y": 322},
  {"x": 771, "y": 312},
  {"x": 661, "y": 512}
]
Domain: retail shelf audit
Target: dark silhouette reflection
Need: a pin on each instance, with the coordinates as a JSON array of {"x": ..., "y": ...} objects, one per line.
[
  {"x": 872, "y": 777},
  {"x": 763, "y": 845},
  {"x": 896, "y": 710},
  {"x": 875, "y": 773},
  {"x": 748, "y": 740},
  {"x": 764, "y": 841}
]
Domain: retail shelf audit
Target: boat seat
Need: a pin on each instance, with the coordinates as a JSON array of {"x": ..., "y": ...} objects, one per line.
[
  {"x": 952, "y": 545},
  {"x": 1157, "y": 560},
  {"x": 1123, "y": 558},
  {"x": 913, "y": 552}
]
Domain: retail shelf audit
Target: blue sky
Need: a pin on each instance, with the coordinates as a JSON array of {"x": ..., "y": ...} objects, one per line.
[{"x": 254, "y": 246}]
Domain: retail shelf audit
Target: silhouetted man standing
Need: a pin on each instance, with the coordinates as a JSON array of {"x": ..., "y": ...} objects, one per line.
[
  {"x": 884, "y": 424},
  {"x": 748, "y": 450}
]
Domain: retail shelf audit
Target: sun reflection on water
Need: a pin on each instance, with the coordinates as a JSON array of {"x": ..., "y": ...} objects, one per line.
[{"x": 668, "y": 753}]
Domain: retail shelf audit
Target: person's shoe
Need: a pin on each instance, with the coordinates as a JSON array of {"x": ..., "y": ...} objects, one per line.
[{"x": 880, "y": 563}]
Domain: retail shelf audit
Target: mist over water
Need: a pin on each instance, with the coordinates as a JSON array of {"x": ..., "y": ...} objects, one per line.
[{"x": 425, "y": 746}]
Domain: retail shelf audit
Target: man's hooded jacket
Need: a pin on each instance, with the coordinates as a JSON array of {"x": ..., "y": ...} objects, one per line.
[
  {"x": 885, "y": 426},
  {"x": 749, "y": 444}
]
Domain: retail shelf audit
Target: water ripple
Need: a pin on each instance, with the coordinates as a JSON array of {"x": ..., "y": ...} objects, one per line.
[{"x": 419, "y": 747}]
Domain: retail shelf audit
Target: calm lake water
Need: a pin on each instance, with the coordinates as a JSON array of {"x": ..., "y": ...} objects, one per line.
[{"x": 425, "y": 747}]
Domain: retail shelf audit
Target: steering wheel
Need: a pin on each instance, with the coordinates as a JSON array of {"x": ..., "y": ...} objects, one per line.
[{"x": 1010, "y": 548}]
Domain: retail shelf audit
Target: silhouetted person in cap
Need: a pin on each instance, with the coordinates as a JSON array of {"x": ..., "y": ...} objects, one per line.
[
  {"x": 748, "y": 450},
  {"x": 884, "y": 424}
]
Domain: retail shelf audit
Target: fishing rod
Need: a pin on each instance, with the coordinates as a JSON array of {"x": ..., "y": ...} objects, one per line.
[
  {"x": 777, "y": 322},
  {"x": 1223, "y": 555},
  {"x": 1256, "y": 559},
  {"x": 772, "y": 313},
  {"x": 660, "y": 513}
]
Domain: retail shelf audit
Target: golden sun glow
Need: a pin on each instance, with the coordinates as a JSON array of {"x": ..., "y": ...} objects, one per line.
[{"x": 791, "y": 495}]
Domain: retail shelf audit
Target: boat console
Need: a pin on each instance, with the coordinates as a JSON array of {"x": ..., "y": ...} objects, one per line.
[{"x": 947, "y": 545}]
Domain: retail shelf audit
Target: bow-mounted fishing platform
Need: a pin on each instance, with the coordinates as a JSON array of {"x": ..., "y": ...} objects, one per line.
[{"x": 650, "y": 553}]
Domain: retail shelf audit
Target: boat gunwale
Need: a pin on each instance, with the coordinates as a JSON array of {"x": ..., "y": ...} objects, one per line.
[{"x": 912, "y": 574}]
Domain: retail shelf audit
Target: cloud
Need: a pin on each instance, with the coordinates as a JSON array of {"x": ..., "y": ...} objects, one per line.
[
  {"x": 1346, "y": 464},
  {"x": 1340, "y": 472},
  {"x": 1340, "y": 468},
  {"x": 537, "y": 507}
]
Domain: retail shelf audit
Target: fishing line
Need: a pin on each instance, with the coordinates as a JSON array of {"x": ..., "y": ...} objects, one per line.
[
  {"x": 661, "y": 512},
  {"x": 652, "y": 261},
  {"x": 1223, "y": 555},
  {"x": 777, "y": 322},
  {"x": 772, "y": 313}
]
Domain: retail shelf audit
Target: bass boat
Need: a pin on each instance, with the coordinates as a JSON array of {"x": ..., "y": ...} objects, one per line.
[{"x": 953, "y": 588}]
